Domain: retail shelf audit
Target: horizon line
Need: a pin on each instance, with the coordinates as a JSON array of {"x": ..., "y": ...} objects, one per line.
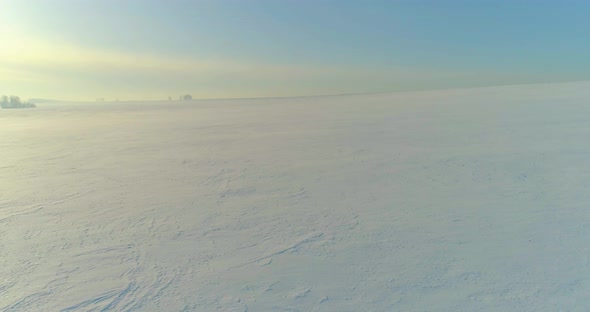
[{"x": 314, "y": 95}]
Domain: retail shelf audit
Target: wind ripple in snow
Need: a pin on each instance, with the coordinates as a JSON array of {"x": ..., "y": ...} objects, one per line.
[{"x": 456, "y": 200}]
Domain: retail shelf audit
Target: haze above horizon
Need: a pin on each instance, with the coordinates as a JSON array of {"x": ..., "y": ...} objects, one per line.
[{"x": 149, "y": 50}]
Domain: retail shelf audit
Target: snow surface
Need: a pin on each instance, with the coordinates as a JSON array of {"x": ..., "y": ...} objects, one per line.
[{"x": 454, "y": 200}]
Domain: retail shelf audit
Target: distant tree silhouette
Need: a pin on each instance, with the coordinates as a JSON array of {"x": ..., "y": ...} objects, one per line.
[
  {"x": 14, "y": 102},
  {"x": 187, "y": 97}
]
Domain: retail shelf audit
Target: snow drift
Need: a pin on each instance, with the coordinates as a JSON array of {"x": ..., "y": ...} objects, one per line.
[{"x": 453, "y": 200}]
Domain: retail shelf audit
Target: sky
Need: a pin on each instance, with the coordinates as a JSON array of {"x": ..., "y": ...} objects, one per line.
[{"x": 150, "y": 50}]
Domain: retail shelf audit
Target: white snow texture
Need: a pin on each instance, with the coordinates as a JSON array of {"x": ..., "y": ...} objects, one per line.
[{"x": 452, "y": 200}]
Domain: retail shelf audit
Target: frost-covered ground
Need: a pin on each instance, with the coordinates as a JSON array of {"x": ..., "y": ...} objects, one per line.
[{"x": 456, "y": 200}]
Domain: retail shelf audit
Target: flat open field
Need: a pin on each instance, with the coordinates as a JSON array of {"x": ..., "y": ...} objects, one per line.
[{"x": 451, "y": 200}]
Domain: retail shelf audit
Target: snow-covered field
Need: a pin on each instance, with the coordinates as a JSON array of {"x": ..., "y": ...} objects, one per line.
[{"x": 453, "y": 200}]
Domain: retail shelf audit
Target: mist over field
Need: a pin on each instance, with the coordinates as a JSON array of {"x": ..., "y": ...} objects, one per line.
[
  {"x": 256, "y": 155},
  {"x": 450, "y": 200}
]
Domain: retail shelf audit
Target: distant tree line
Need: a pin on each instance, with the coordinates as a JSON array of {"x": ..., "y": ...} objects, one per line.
[
  {"x": 186, "y": 97},
  {"x": 14, "y": 102}
]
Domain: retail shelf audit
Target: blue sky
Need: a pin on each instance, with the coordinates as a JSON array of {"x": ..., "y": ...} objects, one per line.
[{"x": 147, "y": 49}]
